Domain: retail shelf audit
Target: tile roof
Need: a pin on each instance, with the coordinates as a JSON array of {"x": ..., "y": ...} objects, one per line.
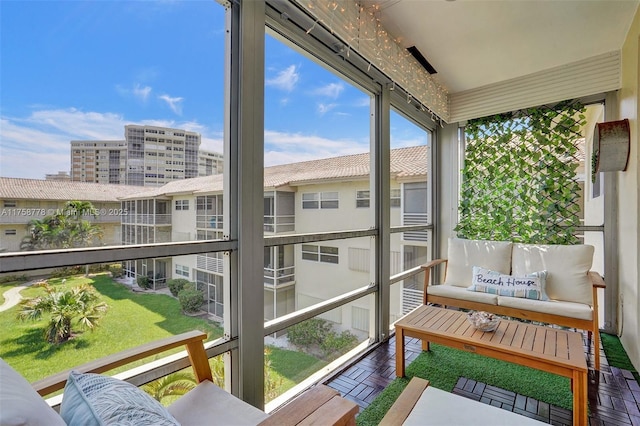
[
  {"x": 40, "y": 189},
  {"x": 405, "y": 163}
]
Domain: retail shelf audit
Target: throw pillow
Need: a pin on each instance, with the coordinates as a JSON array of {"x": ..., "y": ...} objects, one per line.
[
  {"x": 530, "y": 286},
  {"x": 94, "y": 399}
]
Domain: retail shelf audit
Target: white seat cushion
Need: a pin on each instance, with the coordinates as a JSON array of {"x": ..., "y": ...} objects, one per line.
[
  {"x": 558, "y": 307},
  {"x": 462, "y": 293},
  {"x": 208, "y": 404},
  {"x": 437, "y": 407},
  {"x": 463, "y": 255},
  {"x": 566, "y": 265}
]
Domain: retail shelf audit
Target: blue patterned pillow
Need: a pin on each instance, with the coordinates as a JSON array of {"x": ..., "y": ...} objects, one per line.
[
  {"x": 93, "y": 399},
  {"x": 530, "y": 286}
]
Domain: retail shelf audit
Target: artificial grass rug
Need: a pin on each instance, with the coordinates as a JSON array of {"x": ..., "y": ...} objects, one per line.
[
  {"x": 616, "y": 355},
  {"x": 442, "y": 366}
]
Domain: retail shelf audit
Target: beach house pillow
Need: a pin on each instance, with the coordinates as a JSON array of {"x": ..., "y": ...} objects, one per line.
[
  {"x": 530, "y": 286},
  {"x": 94, "y": 399}
]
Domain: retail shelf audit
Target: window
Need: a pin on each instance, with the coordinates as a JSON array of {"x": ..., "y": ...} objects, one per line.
[
  {"x": 310, "y": 200},
  {"x": 362, "y": 198},
  {"x": 10, "y": 232},
  {"x": 395, "y": 197},
  {"x": 329, "y": 200},
  {"x": 182, "y": 270},
  {"x": 10, "y": 203},
  {"x": 182, "y": 204},
  {"x": 320, "y": 253}
]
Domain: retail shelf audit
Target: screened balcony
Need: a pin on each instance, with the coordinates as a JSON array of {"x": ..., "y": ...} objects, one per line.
[{"x": 396, "y": 231}]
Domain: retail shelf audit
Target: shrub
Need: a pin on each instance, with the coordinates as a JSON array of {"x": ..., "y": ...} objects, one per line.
[
  {"x": 116, "y": 270},
  {"x": 13, "y": 278},
  {"x": 338, "y": 343},
  {"x": 143, "y": 281},
  {"x": 67, "y": 272},
  {"x": 176, "y": 285},
  {"x": 190, "y": 299},
  {"x": 310, "y": 332}
]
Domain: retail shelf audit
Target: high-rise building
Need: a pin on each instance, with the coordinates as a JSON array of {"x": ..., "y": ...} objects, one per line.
[
  {"x": 99, "y": 161},
  {"x": 148, "y": 156},
  {"x": 210, "y": 163}
]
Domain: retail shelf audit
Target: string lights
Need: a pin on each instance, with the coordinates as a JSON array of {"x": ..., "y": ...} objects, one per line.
[{"x": 361, "y": 31}]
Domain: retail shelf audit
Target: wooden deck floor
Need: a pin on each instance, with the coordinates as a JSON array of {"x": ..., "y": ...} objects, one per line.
[{"x": 614, "y": 394}]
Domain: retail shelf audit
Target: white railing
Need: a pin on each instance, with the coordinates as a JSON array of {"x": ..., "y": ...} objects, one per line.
[
  {"x": 210, "y": 264},
  {"x": 411, "y": 299},
  {"x": 415, "y": 219}
]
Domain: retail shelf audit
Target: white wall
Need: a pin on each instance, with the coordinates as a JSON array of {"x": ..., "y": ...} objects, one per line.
[{"x": 628, "y": 237}]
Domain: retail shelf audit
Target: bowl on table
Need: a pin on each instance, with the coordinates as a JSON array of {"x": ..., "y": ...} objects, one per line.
[{"x": 483, "y": 321}]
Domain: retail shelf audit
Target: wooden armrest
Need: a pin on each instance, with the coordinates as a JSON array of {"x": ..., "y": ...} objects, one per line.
[
  {"x": 193, "y": 340},
  {"x": 433, "y": 263},
  {"x": 401, "y": 409},
  {"x": 427, "y": 267},
  {"x": 596, "y": 279},
  {"x": 318, "y": 405}
]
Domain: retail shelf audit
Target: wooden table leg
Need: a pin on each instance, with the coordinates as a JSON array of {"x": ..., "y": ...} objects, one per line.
[
  {"x": 399, "y": 352},
  {"x": 579, "y": 384}
]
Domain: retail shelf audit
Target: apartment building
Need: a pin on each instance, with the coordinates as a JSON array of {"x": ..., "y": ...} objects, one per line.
[
  {"x": 148, "y": 156},
  {"x": 23, "y": 200},
  {"x": 99, "y": 161},
  {"x": 313, "y": 196}
]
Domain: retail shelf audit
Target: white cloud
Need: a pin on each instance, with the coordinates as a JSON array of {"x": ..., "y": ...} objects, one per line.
[
  {"x": 325, "y": 108},
  {"x": 331, "y": 90},
  {"x": 286, "y": 79},
  {"x": 142, "y": 93},
  {"x": 38, "y": 144},
  {"x": 285, "y": 148},
  {"x": 174, "y": 103},
  {"x": 138, "y": 91},
  {"x": 362, "y": 102}
]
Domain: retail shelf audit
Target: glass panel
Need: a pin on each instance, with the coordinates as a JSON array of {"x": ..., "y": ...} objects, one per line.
[
  {"x": 318, "y": 271},
  {"x": 317, "y": 137},
  {"x": 293, "y": 355},
  {"x": 115, "y": 148},
  {"x": 123, "y": 307}
]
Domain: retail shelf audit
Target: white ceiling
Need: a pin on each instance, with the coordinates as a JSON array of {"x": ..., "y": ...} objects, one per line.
[{"x": 472, "y": 43}]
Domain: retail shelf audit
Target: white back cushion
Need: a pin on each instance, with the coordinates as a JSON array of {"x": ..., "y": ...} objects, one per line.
[
  {"x": 463, "y": 255},
  {"x": 566, "y": 266}
]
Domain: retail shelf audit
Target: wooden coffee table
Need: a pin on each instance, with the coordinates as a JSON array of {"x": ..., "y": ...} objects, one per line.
[{"x": 544, "y": 348}]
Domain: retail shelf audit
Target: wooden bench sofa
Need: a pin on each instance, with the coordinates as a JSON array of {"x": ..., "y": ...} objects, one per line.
[
  {"x": 22, "y": 403},
  {"x": 569, "y": 298}
]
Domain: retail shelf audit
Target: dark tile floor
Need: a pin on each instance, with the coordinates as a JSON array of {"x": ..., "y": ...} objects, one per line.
[{"x": 614, "y": 394}]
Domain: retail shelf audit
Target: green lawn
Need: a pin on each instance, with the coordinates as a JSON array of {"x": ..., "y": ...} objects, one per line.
[{"x": 132, "y": 319}]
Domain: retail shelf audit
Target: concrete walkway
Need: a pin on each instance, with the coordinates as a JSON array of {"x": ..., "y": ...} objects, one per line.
[{"x": 12, "y": 296}]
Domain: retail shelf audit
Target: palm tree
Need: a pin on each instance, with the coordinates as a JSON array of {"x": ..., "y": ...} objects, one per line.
[
  {"x": 171, "y": 386},
  {"x": 81, "y": 303},
  {"x": 65, "y": 229}
]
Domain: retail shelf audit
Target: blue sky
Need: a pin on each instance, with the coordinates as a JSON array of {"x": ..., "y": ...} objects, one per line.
[{"x": 81, "y": 70}]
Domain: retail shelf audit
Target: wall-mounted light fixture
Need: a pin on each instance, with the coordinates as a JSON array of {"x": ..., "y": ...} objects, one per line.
[{"x": 421, "y": 59}]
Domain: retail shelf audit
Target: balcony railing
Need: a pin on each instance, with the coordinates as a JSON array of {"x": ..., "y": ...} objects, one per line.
[
  {"x": 415, "y": 219},
  {"x": 279, "y": 276},
  {"x": 146, "y": 219},
  {"x": 281, "y": 223},
  {"x": 208, "y": 263}
]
